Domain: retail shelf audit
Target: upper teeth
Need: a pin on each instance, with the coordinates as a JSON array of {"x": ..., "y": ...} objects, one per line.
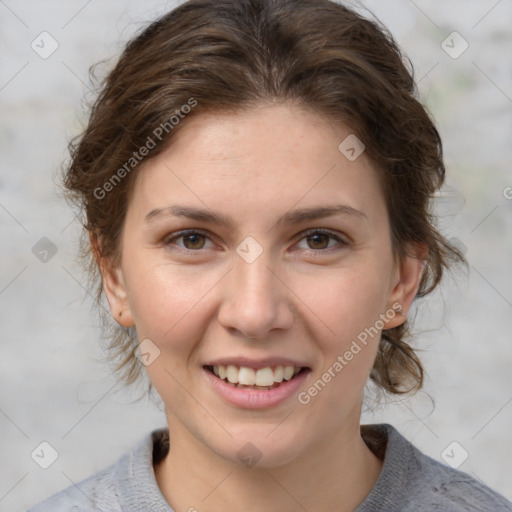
[{"x": 251, "y": 377}]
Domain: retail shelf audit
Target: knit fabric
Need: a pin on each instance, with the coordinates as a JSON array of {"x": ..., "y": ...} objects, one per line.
[{"x": 409, "y": 482}]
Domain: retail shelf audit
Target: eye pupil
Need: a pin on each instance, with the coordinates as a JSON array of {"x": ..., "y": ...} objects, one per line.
[
  {"x": 193, "y": 236},
  {"x": 316, "y": 237}
]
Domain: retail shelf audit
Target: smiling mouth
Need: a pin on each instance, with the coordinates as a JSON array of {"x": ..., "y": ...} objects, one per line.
[{"x": 262, "y": 379}]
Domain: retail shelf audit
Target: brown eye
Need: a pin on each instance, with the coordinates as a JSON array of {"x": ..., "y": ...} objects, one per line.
[
  {"x": 193, "y": 240},
  {"x": 318, "y": 241},
  {"x": 196, "y": 241}
]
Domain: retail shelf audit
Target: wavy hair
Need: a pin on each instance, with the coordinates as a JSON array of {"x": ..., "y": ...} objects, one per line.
[{"x": 231, "y": 55}]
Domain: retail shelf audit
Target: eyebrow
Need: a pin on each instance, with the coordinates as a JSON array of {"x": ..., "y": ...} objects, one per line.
[{"x": 290, "y": 218}]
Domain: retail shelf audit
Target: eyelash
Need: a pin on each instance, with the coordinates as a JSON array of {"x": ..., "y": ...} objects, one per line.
[{"x": 167, "y": 241}]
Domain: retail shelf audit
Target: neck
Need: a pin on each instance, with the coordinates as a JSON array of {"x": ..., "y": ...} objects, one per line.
[{"x": 335, "y": 474}]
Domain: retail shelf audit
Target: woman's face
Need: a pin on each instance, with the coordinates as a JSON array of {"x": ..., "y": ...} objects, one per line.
[{"x": 264, "y": 290}]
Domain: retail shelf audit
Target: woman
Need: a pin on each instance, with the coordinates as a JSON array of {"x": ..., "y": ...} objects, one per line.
[{"x": 256, "y": 178}]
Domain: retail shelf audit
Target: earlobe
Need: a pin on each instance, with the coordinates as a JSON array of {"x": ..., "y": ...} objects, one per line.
[
  {"x": 405, "y": 288},
  {"x": 114, "y": 287}
]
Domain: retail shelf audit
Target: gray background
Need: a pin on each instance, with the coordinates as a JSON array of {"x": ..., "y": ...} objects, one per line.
[{"x": 54, "y": 385}]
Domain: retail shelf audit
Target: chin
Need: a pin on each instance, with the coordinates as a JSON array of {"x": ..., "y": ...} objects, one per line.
[{"x": 257, "y": 448}]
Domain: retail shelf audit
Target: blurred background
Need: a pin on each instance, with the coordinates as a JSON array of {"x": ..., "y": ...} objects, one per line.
[{"x": 55, "y": 386}]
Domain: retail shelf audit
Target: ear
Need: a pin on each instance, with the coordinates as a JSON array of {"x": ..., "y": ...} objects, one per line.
[
  {"x": 405, "y": 285},
  {"x": 113, "y": 285}
]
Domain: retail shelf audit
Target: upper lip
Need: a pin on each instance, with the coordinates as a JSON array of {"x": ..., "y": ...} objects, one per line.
[{"x": 256, "y": 363}]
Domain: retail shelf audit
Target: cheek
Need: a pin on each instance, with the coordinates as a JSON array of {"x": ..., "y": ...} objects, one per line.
[
  {"x": 169, "y": 307},
  {"x": 349, "y": 302},
  {"x": 163, "y": 298},
  {"x": 350, "y": 307}
]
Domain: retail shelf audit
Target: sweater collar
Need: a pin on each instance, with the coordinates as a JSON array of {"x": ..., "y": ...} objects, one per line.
[{"x": 138, "y": 489}]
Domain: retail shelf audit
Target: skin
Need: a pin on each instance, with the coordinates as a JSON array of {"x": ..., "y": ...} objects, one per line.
[{"x": 304, "y": 298}]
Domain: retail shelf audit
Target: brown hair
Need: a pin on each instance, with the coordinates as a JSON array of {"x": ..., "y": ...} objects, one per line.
[{"x": 230, "y": 55}]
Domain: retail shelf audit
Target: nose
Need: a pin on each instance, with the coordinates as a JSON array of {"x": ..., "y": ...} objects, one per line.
[{"x": 255, "y": 298}]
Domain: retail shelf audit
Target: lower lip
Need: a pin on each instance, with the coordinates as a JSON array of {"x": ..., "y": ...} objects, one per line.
[{"x": 255, "y": 398}]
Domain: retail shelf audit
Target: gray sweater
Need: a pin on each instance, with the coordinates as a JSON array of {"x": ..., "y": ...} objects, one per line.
[{"x": 409, "y": 481}]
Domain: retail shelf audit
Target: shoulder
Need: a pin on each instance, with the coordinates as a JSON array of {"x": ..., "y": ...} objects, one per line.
[
  {"x": 412, "y": 481},
  {"x": 114, "y": 488},
  {"x": 96, "y": 492},
  {"x": 450, "y": 489}
]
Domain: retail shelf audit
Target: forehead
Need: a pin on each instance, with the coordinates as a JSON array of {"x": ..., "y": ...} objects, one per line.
[
  {"x": 265, "y": 159},
  {"x": 280, "y": 135}
]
